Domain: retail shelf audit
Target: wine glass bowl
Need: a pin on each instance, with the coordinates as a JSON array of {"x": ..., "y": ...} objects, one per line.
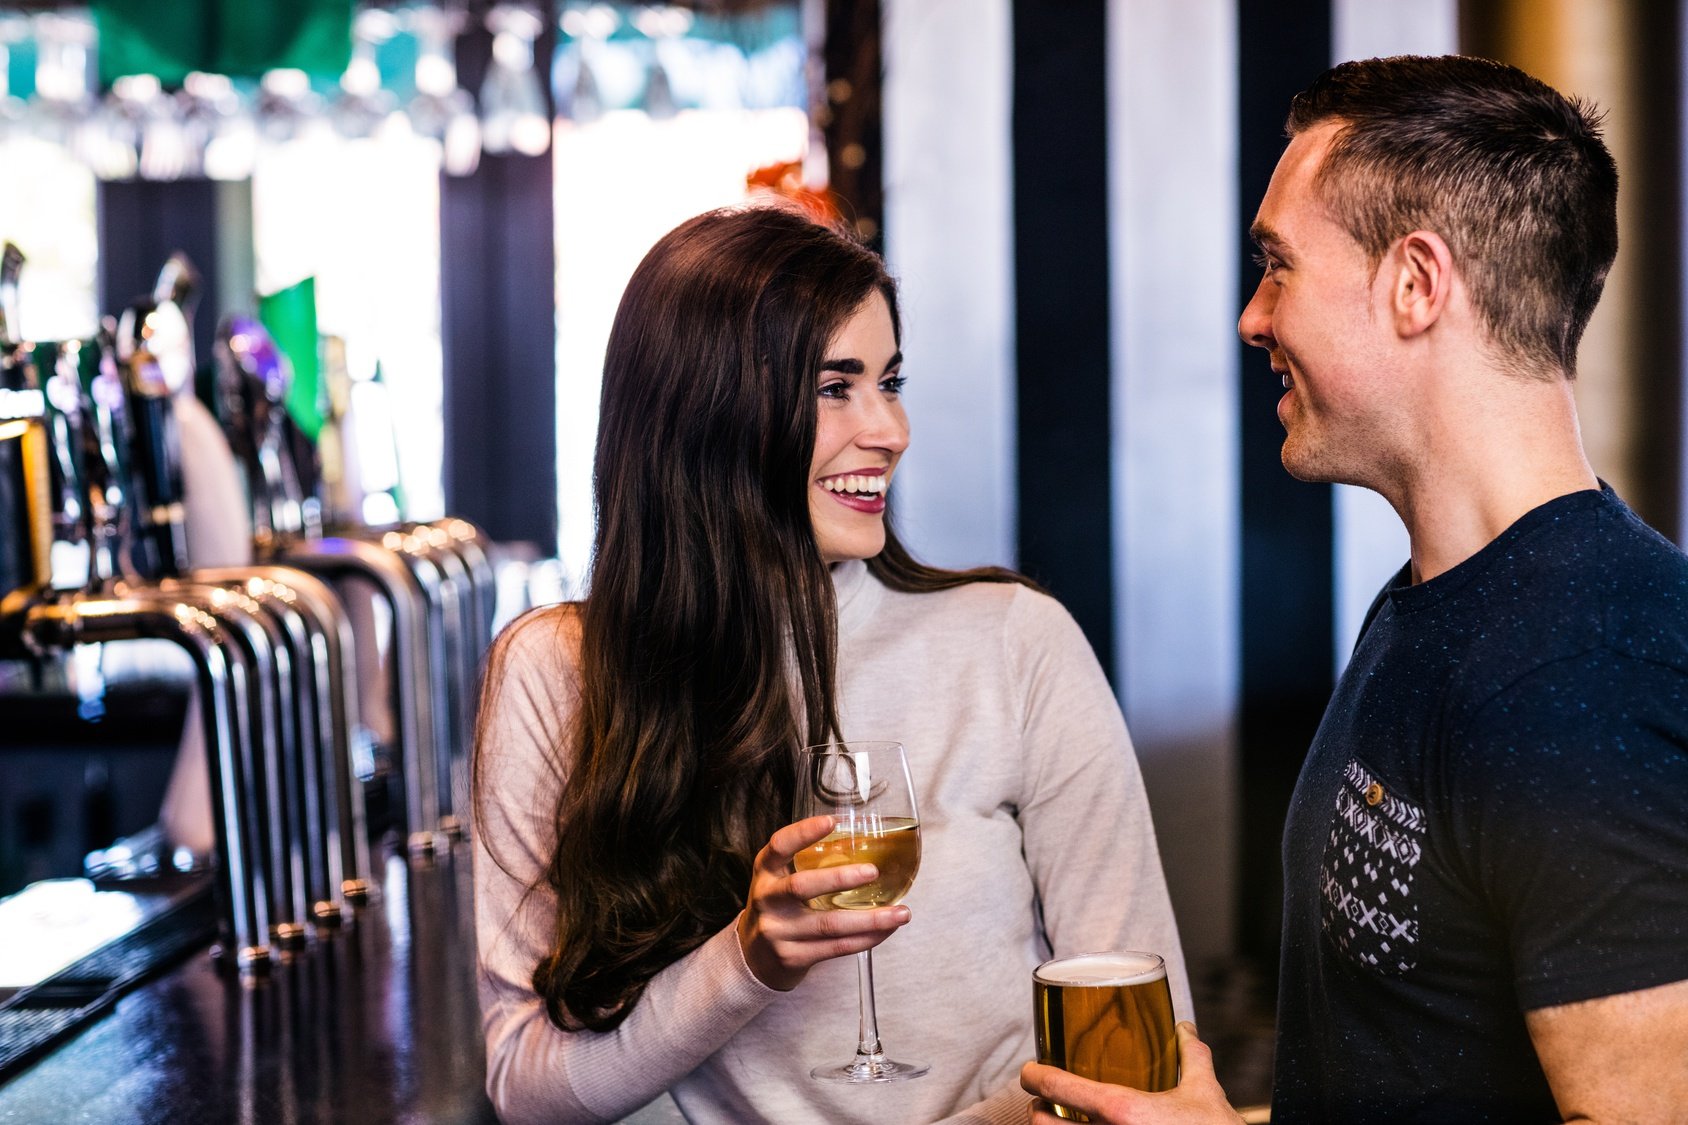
[{"x": 866, "y": 789}]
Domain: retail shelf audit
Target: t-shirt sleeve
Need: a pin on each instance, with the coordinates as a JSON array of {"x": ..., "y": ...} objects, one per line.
[
  {"x": 537, "y": 1072},
  {"x": 1084, "y": 817},
  {"x": 1569, "y": 801}
]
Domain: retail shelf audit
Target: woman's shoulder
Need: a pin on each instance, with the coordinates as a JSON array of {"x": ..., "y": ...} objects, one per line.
[
  {"x": 545, "y": 638},
  {"x": 1028, "y": 615},
  {"x": 532, "y": 677}
]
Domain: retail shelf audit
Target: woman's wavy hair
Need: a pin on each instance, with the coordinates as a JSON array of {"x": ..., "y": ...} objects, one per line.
[{"x": 709, "y": 635}]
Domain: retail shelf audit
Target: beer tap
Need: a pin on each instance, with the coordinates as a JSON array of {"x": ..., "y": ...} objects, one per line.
[
  {"x": 303, "y": 862},
  {"x": 150, "y": 340},
  {"x": 253, "y": 380},
  {"x": 26, "y": 469}
]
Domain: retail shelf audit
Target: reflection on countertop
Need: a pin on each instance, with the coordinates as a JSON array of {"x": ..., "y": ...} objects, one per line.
[{"x": 376, "y": 1024}]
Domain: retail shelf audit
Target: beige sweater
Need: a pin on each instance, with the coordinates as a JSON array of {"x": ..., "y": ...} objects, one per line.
[{"x": 1036, "y": 838}]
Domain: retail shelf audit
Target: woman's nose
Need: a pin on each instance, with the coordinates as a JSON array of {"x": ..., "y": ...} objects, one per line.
[{"x": 885, "y": 426}]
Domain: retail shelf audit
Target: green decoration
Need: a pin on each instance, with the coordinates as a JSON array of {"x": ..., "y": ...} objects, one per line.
[
  {"x": 290, "y": 316},
  {"x": 239, "y": 38}
]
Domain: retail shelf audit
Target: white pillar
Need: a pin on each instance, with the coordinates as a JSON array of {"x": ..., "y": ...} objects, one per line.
[
  {"x": 1173, "y": 242},
  {"x": 949, "y": 240}
]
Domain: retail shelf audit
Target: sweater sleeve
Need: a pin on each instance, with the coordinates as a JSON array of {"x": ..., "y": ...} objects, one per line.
[
  {"x": 1089, "y": 839},
  {"x": 536, "y": 1071}
]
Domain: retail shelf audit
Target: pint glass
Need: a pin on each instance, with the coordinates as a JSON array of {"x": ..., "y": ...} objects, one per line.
[{"x": 1106, "y": 1017}]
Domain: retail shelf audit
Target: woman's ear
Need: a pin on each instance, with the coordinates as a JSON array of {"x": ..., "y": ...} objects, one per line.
[{"x": 1422, "y": 281}]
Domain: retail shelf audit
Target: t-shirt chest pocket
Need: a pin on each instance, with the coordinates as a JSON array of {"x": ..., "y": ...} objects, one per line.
[{"x": 1368, "y": 909}]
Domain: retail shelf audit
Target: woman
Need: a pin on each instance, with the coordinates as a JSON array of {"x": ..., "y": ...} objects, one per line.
[{"x": 639, "y": 925}]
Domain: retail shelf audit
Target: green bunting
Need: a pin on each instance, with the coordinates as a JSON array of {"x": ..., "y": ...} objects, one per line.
[
  {"x": 239, "y": 38},
  {"x": 290, "y": 316}
]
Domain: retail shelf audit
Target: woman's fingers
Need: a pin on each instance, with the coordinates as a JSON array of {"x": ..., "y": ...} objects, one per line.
[
  {"x": 818, "y": 881},
  {"x": 782, "y": 938},
  {"x": 820, "y": 925},
  {"x": 784, "y": 845}
]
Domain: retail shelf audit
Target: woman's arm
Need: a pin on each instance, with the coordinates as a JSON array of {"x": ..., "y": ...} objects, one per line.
[
  {"x": 1089, "y": 840},
  {"x": 535, "y": 1071}
]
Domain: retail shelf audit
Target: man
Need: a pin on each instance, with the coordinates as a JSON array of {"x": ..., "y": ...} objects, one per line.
[{"x": 1486, "y": 857}]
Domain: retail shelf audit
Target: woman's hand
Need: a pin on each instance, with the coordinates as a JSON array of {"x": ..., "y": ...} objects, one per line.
[{"x": 782, "y": 937}]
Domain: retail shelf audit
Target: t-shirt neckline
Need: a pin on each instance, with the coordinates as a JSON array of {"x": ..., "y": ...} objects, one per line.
[{"x": 1406, "y": 597}]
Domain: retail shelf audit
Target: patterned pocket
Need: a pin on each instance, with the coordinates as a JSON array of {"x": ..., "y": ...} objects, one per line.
[{"x": 1366, "y": 878}]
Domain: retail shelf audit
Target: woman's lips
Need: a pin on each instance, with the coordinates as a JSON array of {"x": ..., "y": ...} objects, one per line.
[
  {"x": 861, "y": 491},
  {"x": 871, "y": 503}
]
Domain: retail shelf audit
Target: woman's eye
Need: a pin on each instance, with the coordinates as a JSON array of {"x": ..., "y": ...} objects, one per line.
[
  {"x": 835, "y": 390},
  {"x": 893, "y": 384}
]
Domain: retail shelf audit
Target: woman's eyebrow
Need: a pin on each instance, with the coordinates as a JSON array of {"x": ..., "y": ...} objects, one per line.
[{"x": 857, "y": 367}]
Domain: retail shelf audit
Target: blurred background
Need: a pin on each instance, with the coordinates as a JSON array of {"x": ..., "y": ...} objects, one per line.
[{"x": 1062, "y": 186}]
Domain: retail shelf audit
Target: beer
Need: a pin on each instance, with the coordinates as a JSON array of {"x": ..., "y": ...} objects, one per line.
[
  {"x": 1106, "y": 1017},
  {"x": 890, "y": 843}
]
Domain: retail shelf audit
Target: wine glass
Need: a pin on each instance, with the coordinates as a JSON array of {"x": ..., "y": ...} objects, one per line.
[{"x": 865, "y": 788}]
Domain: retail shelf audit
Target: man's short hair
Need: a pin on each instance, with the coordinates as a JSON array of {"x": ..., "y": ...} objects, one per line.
[{"x": 1511, "y": 173}]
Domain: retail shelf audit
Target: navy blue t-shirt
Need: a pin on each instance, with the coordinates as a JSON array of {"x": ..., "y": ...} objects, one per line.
[{"x": 1493, "y": 818}]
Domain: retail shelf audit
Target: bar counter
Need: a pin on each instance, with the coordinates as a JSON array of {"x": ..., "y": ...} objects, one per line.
[{"x": 374, "y": 1024}]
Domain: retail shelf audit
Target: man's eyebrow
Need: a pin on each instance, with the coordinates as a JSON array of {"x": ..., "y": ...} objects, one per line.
[
  {"x": 1268, "y": 239},
  {"x": 855, "y": 366}
]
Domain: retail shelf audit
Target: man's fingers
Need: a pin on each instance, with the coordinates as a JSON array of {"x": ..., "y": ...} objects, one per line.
[
  {"x": 1195, "y": 1059},
  {"x": 793, "y": 838},
  {"x": 1055, "y": 1085}
]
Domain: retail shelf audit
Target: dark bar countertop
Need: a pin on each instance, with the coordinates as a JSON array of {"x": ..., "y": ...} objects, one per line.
[{"x": 372, "y": 1025}]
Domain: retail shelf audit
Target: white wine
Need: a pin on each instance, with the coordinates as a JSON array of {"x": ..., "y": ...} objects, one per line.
[
  {"x": 1107, "y": 1017},
  {"x": 891, "y": 843}
]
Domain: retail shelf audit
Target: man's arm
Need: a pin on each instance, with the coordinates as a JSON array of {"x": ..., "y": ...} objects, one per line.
[{"x": 1620, "y": 1058}]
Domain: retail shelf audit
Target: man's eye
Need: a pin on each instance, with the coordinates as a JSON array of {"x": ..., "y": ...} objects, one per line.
[{"x": 1265, "y": 261}]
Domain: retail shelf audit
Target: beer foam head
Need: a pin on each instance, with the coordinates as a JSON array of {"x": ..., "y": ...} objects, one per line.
[{"x": 1114, "y": 969}]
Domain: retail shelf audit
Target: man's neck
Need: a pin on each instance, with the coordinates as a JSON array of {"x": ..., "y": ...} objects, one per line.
[{"x": 1487, "y": 460}]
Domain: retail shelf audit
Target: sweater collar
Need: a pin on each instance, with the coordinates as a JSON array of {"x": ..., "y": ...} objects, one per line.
[{"x": 857, "y": 592}]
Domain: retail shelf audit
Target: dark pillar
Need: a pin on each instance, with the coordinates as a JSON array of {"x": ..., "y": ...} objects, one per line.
[
  {"x": 851, "y": 118},
  {"x": 1287, "y": 579},
  {"x": 141, "y": 223},
  {"x": 498, "y": 330},
  {"x": 1063, "y": 416}
]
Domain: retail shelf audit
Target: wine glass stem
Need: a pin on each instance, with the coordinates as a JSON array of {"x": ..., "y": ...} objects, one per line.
[{"x": 867, "y": 1037}]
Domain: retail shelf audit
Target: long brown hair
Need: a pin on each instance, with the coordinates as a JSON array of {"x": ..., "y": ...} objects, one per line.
[{"x": 709, "y": 635}]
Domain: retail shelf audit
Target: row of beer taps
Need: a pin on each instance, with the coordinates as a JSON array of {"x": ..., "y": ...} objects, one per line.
[{"x": 91, "y": 454}]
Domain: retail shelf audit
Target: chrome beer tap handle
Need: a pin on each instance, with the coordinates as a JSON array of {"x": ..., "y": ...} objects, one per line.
[
  {"x": 338, "y": 558},
  {"x": 225, "y": 678}
]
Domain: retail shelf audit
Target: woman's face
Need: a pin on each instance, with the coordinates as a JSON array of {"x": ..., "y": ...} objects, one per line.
[{"x": 861, "y": 435}]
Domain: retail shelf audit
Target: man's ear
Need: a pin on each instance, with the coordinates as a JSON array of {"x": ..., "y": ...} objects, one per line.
[{"x": 1422, "y": 281}]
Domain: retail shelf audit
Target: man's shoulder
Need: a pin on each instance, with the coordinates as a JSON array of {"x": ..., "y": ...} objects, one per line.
[
  {"x": 1597, "y": 578},
  {"x": 1644, "y": 582}
]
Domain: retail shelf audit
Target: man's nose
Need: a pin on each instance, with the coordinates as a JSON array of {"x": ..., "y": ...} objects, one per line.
[{"x": 1255, "y": 324}]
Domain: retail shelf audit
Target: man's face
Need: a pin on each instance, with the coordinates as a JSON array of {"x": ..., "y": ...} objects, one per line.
[{"x": 1321, "y": 313}]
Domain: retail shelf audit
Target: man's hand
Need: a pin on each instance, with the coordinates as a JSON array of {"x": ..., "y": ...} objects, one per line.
[
  {"x": 1197, "y": 1099},
  {"x": 781, "y": 936}
]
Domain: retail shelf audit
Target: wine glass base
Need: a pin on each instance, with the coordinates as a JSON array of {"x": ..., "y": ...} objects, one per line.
[{"x": 870, "y": 1068}]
